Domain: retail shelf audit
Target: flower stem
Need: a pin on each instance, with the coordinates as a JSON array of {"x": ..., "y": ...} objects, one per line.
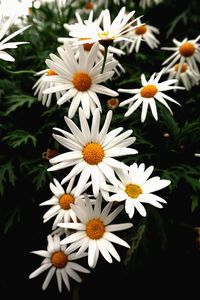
[
  {"x": 17, "y": 72},
  {"x": 104, "y": 58}
]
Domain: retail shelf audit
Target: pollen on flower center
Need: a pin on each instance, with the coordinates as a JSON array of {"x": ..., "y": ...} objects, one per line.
[
  {"x": 133, "y": 190},
  {"x": 140, "y": 30},
  {"x": 51, "y": 72},
  {"x": 82, "y": 81},
  {"x": 103, "y": 35},
  {"x": 93, "y": 153},
  {"x": 59, "y": 259},
  {"x": 95, "y": 229},
  {"x": 87, "y": 46},
  {"x": 183, "y": 67},
  {"x": 65, "y": 201},
  {"x": 148, "y": 91},
  {"x": 187, "y": 49}
]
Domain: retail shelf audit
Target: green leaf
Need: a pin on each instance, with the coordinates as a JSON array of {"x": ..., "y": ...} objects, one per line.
[
  {"x": 40, "y": 176},
  {"x": 15, "y": 101},
  {"x": 19, "y": 137},
  {"x": 12, "y": 218},
  {"x": 195, "y": 202},
  {"x": 6, "y": 173}
]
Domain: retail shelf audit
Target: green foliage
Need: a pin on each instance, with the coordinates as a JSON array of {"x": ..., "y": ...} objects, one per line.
[
  {"x": 14, "y": 102},
  {"x": 40, "y": 176},
  {"x": 7, "y": 175},
  {"x": 19, "y": 137}
]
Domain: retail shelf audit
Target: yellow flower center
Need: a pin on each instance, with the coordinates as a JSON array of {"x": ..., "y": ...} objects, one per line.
[
  {"x": 89, "y": 5},
  {"x": 82, "y": 81},
  {"x": 65, "y": 201},
  {"x": 148, "y": 91},
  {"x": 59, "y": 259},
  {"x": 95, "y": 229},
  {"x": 51, "y": 72},
  {"x": 183, "y": 67},
  {"x": 140, "y": 30},
  {"x": 187, "y": 49},
  {"x": 103, "y": 35},
  {"x": 87, "y": 46},
  {"x": 93, "y": 153},
  {"x": 133, "y": 190}
]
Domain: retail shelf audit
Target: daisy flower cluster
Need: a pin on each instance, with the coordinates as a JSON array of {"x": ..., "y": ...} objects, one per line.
[
  {"x": 111, "y": 143},
  {"x": 84, "y": 207}
]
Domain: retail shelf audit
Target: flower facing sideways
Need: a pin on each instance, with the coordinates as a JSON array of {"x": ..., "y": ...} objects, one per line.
[
  {"x": 187, "y": 76},
  {"x": 94, "y": 231},
  {"x": 60, "y": 261},
  {"x": 109, "y": 32},
  {"x": 42, "y": 85},
  {"x": 135, "y": 188},
  {"x": 150, "y": 92},
  {"x": 143, "y": 32},
  {"x": 187, "y": 51},
  {"x": 92, "y": 151}
]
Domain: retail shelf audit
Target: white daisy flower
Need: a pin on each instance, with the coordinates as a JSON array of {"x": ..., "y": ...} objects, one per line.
[
  {"x": 80, "y": 80},
  {"x": 23, "y": 8},
  {"x": 135, "y": 188},
  {"x": 148, "y": 3},
  {"x": 110, "y": 32},
  {"x": 94, "y": 231},
  {"x": 42, "y": 85},
  {"x": 60, "y": 261},
  {"x": 147, "y": 95},
  {"x": 141, "y": 33},
  {"x": 100, "y": 54},
  {"x": 92, "y": 151},
  {"x": 187, "y": 51},
  {"x": 5, "y": 24},
  {"x": 60, "y": 202},
  {"x": 185, "y": 75},
  {"x": 80, "y": 21},
  {"x": 87, "y": 46}
]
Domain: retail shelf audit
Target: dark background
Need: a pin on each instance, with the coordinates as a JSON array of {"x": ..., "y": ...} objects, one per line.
[{"x": 164, "y": 264}]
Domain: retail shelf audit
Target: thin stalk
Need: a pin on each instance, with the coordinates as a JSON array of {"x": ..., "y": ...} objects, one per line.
[
  {"x": 17, "y": 72},
  {"x": 104, "y": 58}
]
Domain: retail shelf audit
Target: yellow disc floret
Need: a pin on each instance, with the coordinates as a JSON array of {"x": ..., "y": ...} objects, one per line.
[
  {"x": 82, "y": 81},
  {"x": 95, "y": 229},
  {"x": 187, "y": 49},
  {"x": 59, "y": 259},
  {"x": 51, "y": 72},
  {"x": 183, "y": 67},
  {"x": 148, "y": 91},
  {"x": 93, "y": 153},
  {"x": 65, "y": 201},
  {"x": 140, "y": 30},
  {"x": 133, "y": 190}
]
